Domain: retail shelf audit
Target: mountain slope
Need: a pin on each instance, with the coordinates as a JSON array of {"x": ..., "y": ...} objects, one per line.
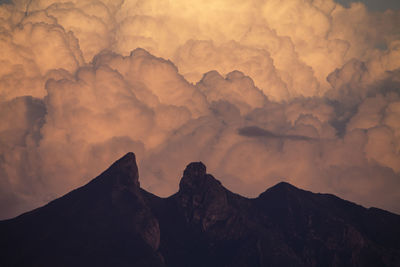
[
  {"x": 111, "y": 221},
  {"x": 104, "y": 223}
]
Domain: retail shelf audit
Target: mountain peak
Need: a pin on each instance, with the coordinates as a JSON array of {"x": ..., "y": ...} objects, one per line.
[
  {"x": 284, "y": 185},
  {"x": 196, "y": 169},
  {"x": 280, "y": 188},
  {"x": 124, "y": 171},
  {"x": 128, "y": 159},
  {"x": 195, "y": 178},
  {"x": 203, "y": 197}
]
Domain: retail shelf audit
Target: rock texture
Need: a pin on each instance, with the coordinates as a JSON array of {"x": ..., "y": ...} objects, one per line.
[{"x": 111, "y": 221}]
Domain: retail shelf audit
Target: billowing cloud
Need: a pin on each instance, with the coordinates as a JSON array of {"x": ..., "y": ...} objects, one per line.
[{"x": 261, "y": 91}]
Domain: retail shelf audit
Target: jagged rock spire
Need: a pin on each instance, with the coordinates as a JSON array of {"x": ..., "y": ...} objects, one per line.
[
  {"x": 202, "y": 196},
  {"x": 123, "y": 173}
]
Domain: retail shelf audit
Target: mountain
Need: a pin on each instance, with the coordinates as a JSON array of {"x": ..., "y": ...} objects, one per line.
[{"x": 111, "y": 221}]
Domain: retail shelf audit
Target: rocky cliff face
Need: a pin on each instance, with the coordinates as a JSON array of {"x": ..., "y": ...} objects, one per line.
[{"x": 111, "y": 221}]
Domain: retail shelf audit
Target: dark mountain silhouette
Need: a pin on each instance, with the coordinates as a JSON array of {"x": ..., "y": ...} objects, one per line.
[{"x": 111, "y": 221}]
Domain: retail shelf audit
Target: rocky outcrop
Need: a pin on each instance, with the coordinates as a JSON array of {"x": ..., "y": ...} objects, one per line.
[
  {"x": 202, "y": 198},
  {"x": 111, "y": 221}
]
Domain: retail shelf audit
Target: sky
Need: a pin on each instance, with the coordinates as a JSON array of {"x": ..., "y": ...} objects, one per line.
[
  {"x": 261, "y": 91},
  {"x": 375, "y": 5}
]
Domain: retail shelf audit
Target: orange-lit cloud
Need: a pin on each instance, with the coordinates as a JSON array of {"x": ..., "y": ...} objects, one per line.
[{"x": 261, "y": 91}]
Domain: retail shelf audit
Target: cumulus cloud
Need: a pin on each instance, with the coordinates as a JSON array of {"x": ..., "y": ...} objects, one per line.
[{"x": 261, "y": 91}]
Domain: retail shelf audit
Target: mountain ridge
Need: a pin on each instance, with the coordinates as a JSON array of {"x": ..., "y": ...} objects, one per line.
[{"x": 112, "y": 221}]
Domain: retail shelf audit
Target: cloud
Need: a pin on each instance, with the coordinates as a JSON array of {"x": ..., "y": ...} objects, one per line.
[
  {"x": 254, "y": 131},
  {"x": 260, "y": 91},
  {"x": 236, "y": 88}
]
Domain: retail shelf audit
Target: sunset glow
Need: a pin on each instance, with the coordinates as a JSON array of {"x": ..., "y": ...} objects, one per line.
[{"x": 261, "y": 91}]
